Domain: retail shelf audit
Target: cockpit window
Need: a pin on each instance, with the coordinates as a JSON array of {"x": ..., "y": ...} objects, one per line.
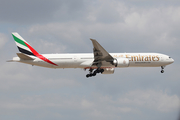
[{"x": 169, "y": 57}]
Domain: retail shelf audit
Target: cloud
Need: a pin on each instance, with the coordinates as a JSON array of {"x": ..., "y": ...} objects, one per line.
[
  {"x": 86, "y": 104},
  {"x": 99, "y": 106},
  {"x": 158, "y": 100},
  {"x": 45, "y": 46},
  {"x": 3, "y": 39},
  {"x": 37, "y": 11},
  {"x": 60, "y": 34},
  {"x": 27, "y": 11},
  {"x": 153, "y": 29},
  {"x": 58, "y": 30},
  {"x": 21, "y": 77}
]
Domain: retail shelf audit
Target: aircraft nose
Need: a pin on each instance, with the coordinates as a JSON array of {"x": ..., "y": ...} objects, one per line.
[{"x": 171, "y": 60}]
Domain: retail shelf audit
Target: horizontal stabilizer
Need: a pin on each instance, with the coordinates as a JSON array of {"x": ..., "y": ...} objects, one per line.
[
  {"x": 9, "y": 61},
  {"x": 24, "y": 57}
]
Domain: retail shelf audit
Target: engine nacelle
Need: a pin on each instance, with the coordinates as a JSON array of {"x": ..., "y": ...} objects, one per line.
[
  {"x": 108, "y": 71},
  {"x": 121, "y": 62}
]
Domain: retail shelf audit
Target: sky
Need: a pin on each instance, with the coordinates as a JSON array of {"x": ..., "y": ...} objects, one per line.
[{"x": 61, "y": 26}]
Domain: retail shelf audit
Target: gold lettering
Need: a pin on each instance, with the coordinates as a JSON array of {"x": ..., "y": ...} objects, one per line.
[
  {"x": 157, "y": 58},
  {"x": 134, "y": 58},
  {"x": 115, "y": 56},
  {"x": 146, "y": 58},
  {"x": 121, "y": 56},
  {"x": 142, "y": 57},
  {"x": 139, "y": 59},
  {"x": 128, "y": 56},
  {"x": 149, "y": 57},
  {"x": 153, "y": 58}
]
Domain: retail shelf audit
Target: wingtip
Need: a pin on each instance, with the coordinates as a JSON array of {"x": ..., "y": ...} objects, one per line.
[{"x": 92, "y": 39}]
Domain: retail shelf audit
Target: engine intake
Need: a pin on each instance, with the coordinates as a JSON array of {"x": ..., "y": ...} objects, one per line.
[{"x": 121, "y": 62}]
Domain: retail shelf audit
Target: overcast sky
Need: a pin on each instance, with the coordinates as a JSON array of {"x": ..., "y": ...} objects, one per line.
[{"x": 65, "y": 26}]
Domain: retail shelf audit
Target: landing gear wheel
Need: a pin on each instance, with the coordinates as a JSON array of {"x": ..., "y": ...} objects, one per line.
[
  {"x": 91, "y": 73},
  {"x": 97, "y": 71},
  {"x": 162, "y": 69},
  {"x": 102, "y": 70},
  {"x": 94, "y": 74},
  {"x": 87, "y": 75}
]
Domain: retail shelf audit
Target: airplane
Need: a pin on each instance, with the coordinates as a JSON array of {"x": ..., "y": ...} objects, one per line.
[{"x": 100, "y": 61}]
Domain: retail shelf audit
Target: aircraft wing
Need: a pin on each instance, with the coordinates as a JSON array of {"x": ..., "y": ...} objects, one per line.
[{"x": 100, "y": 54}]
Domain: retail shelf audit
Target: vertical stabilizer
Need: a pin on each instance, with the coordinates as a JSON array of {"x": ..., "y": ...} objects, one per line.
[
  {"x": 23, "y": 46},
  {"x": 26, "y": 49}
]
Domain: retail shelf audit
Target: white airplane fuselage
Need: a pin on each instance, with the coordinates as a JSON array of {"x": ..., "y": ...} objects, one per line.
[
  {"x": 100, "y": 61},
  {"x": 84, "y": 60}
]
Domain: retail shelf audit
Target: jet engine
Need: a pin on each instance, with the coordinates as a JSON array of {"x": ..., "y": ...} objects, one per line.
[
  {"x": 108, "y": 71},
  {"x": 121, "y": 62}
]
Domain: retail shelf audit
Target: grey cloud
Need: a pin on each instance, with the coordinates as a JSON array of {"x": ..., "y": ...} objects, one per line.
[
  {"x": 3, "y": 39},
  {"x": 149, "y": 28},
  {"x": 96, "y": 107},
  {"x": 35, "y": 11},
  {"x": 20, "y": 11}
]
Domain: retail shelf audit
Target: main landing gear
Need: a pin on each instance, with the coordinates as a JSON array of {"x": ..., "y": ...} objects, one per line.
[
  {"x": 91, "y": 73},
  {"x": 162, "y": 69}
]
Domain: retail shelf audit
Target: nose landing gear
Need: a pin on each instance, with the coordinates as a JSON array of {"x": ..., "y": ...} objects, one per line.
[{"x": 162, "y": 69}]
